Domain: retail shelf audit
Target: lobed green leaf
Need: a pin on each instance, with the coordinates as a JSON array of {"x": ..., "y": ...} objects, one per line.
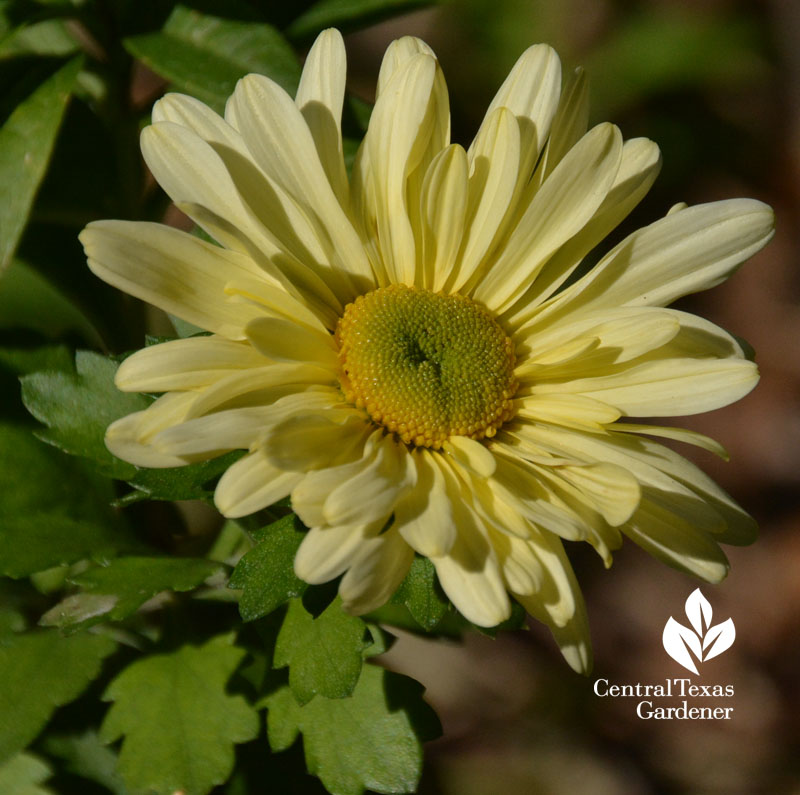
[
  {"x": 324, "y": 654},
  {"x": 22, "y": 774},
  {"x": 40, "y": 671},
  {"x": 179, "y": 723},
  {"x": 421, "y": 593},
  {"x": 116, "y": 591},
  {"x": 266, "y": 573},
  {"x": 78, "y": 407},
  {"x": 180, "y": 483},
  {"x": 372, "y": 740}
]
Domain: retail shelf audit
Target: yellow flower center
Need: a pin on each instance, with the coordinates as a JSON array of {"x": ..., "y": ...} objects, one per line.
[{"x": 426, "y": 366}]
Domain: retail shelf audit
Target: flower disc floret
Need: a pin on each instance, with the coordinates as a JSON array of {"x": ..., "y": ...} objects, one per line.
[{"x": 425, "y": 365}]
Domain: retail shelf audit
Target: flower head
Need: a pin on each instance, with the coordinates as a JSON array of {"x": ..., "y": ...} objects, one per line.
[{"x": 407, "y": 353}]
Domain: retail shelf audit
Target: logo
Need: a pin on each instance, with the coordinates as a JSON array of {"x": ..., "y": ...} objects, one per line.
[{"x": 701, "y": 641}]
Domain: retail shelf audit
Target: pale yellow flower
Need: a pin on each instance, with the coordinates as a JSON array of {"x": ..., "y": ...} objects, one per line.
[{"x": 402, "y": 351}]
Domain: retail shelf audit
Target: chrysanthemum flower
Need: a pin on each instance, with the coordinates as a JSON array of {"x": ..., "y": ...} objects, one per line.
[{"x": 404, "y": 353}]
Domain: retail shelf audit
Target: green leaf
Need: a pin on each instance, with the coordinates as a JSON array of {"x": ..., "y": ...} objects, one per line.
[
  {"x": 180, "y": 725},
  {"x": 50, "y": 37},
  {"x": 52, "y": 511},
  {"x": 85, "y": 756},
  {"x": 28, "y": 300},
  {"x": 39, "y": 672},
  {"x": 348, "y": 14},
  {"x": 205, "y": 55},
  {"x": 371, "y": 740},
  {"x": 26, "y": 143},
  {"x": 121, "y": 588},
  {"x": 266, "y": 573},
  {"x": 180, "y": 483},
  {"x": 324, "y": 654},
  {"x": 421, "y": 593},
  {"x": 78, "y": 407},
  {"x": 21, "y": 775}
]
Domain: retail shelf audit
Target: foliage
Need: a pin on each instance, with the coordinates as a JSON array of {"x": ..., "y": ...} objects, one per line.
[
  {"x": 115, "y": 585},
  {"x": 135, "y": 605}
]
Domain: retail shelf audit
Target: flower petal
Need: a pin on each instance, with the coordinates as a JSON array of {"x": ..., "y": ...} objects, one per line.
[
  {"x": 678, "y": 543},
  {"x": 571, "y": 411},
  {"x": 281, "y": 143},
  {"x": 129, "y": 437},
  {"x": 397, "y": 136},
  {"x": 666, "y": 387},
  {"x": 250, "y": 484},
  {"x": 309, "y": 439},
  {"x": 172, "y": 270},
  {"x": 471, "y": 454},
  {"x": 320, "y": 97},
  {"x": 262, "y": 386},
  {"x": 424, "y": 514},
  {"x": 691, "y": 250},
  {"x": 639, "y": 167},
  {"x": 531, "y": 93},
  {"x": 185, "y": 364},
  {"x": 283, "y": 340},
  {"x": 444, "y": 207},
  {"x": 373, "y": 490},
  {"x": 379, "y": 566},
  {"x": 469, "y": 573},
  {"x": 326, "y": 552},
  {"x": 206, "y": 437},
  {"x": 562, "y": 206}
]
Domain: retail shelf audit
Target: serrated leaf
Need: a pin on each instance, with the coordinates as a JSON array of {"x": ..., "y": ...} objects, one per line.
[
  {"x": 372, "y": 740},
  {"x": 324, "y": 654},
  {"x": 39, "y": 672},
  {"x": 78, "y": 407},
  {"x": 205, "y": 55},
  {"x": 26, "y": 143},
  {"x": 22, "y": 774},
  {"x": 179, "y": 723},
  {"x": 421, "y": 593},
  {"x": 266, "y": 573},
  {"x": 180, "y": 483},
  {"x": 116, "y": 591},
  {"x": 52, "y": 510},
  {"x": 85, "y": 756},
  {"x": 348, "y": 14}
]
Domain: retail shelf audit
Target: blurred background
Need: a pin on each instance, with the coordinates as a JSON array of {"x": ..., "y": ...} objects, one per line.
[{"x": 716, "y": 83}]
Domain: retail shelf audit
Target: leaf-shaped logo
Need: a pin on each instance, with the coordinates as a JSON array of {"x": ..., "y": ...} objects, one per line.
[{"x": 701, "y": 641}]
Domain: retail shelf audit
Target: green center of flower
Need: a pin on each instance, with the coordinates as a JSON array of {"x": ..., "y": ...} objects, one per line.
[{"x": 426, "y": 366}]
